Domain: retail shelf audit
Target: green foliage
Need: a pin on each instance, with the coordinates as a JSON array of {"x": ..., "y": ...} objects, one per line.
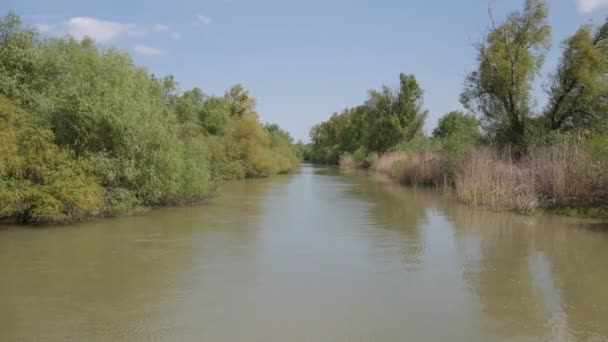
[
  {"x": 394, "y": 115},
  {"x": 578, "y": 94},
  {"x": 251, "y": 150},
  {"x": 106, "y": 137},
  {"x": 215, "y": 115},
  {"x": 239, "y": 101},
  {"x": 360, "y": 154},
  {"x": 189, "y": 105},
  {"x": 302, "y": 151},
  {"x": 419, "y": 144},
  {"x": 226, "y": 158},
  {"x": 39, "y": 181},
  {"x": 509, "y": 58},
  {"x": 521, "y": 160},
  {"x": 459, "y": 126},
  {"x": 20, "y": 79},
  {"x": 388, "y": 117},
  {"x": 597, "y": 146}
]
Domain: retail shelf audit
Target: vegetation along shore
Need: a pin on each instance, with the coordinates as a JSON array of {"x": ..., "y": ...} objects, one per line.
[
  {"x": 85, "y": 133},
  {"x": 502, "y": 154}
]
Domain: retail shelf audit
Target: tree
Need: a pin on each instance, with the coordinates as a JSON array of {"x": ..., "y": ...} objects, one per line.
[
  {"x": 19, "y": 79},
  {"x": 509, "y": 57},
  {"x": 241, "y": 103},
  {"x": 40, "y": 182},
  {"x": 578, "y": 96},
  {"x": 189, "y": 105},
  {"x": 100, "y": 135},
  {"x": 458, "y": 126},
  {"x": 215, "y": 115},
  {"x": 394, "y": 116}
]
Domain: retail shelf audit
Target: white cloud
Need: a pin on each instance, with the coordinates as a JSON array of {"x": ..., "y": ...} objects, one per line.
[
  {"x": 175, "y": 35},
  {"x": 203, "y": 19},
  {"x": 102, "y": 31},
  {"x": 587, "y": 6},
  {"x": 148, "y": 50}
]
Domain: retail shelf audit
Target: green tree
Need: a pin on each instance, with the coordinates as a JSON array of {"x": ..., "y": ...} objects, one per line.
[
  {"x": 394, "y": 116},
  {"x": 215, "y": 115},
  {"x": 240, "y": 102},
  {"x": 19, "y": 79},
  {"x": 459, "y": 126},
  {"x": 189, "y": 105},
  {"x": 100, "y": 135},
  {"x": 40, "y": 182},
  {"x": 578, "y": 96},
  {"x": 509, "y": 57}
]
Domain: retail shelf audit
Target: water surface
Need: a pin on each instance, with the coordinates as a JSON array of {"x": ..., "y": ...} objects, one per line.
[{"x": 314, "y": 256}]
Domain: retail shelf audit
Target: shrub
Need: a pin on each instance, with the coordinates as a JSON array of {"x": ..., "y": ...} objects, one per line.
[
  {"x": 102, "y": 135},
  {"x": 459, "y": 127},
  {"x": 360, "y": 154},
  {"x": 40, "y": 182}
]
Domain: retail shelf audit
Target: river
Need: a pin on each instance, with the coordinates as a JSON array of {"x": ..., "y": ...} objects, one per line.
[{"x": 318, "y": 255}]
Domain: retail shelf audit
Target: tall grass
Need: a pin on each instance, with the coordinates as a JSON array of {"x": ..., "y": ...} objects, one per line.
[
  {"x": 566, "y": 175},
  {"x": 347, "y": 162},
  {"x": 425, "y": 168},
  {"x": 488, "y": 179}
]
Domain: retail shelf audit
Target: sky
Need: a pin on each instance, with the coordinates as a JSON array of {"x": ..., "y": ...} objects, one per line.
[{"x": 302, "y": 60}]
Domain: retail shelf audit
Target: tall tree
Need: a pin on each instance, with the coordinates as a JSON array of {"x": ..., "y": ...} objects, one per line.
[
  {"x": 578, "y": 96},
  {"x": 189, "y": 105},
  {"x": 241, "y": 103},
  {"x": 509, "y": 57},
  {"x": 459, "y": 126},
  {"x": 19, "y": 77},
  {"x": 394, "y": 116}
]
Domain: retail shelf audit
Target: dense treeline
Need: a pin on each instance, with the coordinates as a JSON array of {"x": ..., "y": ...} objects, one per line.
[
  {"x": 388, "y": 117},
  {"x": 503, "y": 153},
  {"x": 84, "y": 132}
]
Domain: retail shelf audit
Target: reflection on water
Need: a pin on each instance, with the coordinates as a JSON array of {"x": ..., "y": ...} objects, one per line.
[{"x": 315, "y": 256}]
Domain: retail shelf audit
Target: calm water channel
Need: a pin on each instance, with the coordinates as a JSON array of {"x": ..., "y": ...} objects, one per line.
[{"x": 313, "y": 256}]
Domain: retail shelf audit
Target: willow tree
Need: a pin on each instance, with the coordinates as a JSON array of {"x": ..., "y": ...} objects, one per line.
[
  {"x": 241, "y": 103},
  {"x": 457, "y": 125},
  {"x": 578, "y": 96},
  {"x": 394, "y": 116},
  {"x": 19, "y": 76},
  {"x": 509, "y": 56}
]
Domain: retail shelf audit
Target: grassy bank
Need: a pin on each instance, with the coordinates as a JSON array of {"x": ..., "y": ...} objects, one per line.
[{"x": 570, "y": 178}]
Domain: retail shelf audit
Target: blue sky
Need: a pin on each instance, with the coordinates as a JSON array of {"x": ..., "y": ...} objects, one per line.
[{"x": 302, "y": 60}]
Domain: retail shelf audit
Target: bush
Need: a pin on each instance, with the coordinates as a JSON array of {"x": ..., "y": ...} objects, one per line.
[
  {"x": 459, "y": 128},
  {"x": 360, "y": 155},
  {"x": 40, "y": 182}
]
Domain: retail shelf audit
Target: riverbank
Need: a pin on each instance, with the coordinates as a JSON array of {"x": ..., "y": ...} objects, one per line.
[
  {"x": 500, "y": 149},
  {"x": 562, "y": 179},
  {"x": 85, "y": 133}
]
